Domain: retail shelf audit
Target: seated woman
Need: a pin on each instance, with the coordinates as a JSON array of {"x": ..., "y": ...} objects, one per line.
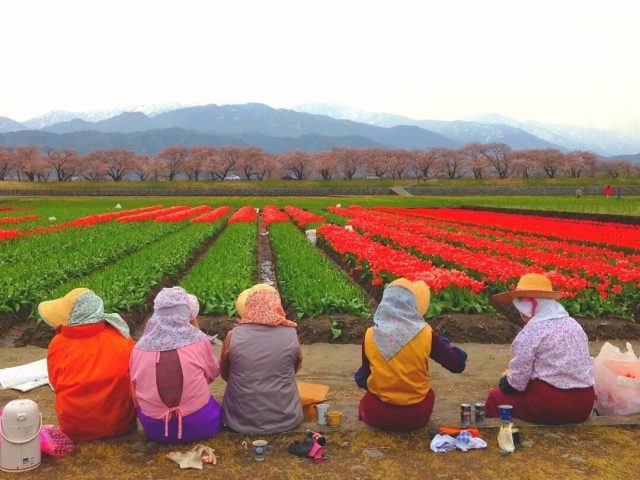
[
  {"x": 172, "y": 366},
  {"x": 260, "y": 358},
  {"x": 549, "y": 379},
  {"x": 395, "y": 360},
  {"x": 88, "y": 362}
]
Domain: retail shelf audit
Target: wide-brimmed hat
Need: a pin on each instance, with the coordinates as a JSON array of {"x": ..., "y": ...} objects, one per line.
[
  {"x": 531, "y": 285},
  {"x": 57, "y": 312},
  {"x": 420, "y": 289},
  {"x": 242, "y": 298}
]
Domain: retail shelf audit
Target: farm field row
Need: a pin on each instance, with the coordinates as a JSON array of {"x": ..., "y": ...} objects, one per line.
[{"x": 126, "y": 254}]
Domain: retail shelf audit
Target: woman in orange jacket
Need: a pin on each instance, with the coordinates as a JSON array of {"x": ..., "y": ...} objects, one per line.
[{"x": 88, "y": 362}]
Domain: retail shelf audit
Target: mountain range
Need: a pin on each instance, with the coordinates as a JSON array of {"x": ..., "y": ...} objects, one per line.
[{"x": 311, "y": 127}]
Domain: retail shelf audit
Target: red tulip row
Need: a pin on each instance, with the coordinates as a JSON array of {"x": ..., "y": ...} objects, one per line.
[
  {"x": 590, "y": 266},
  {"x": 616, "y": 234},
  {"x": 273, "y": 214},
  {"x": 212, "y": 216},
  {"x": 564, "y": 247},
  {"x": 302, "y": 217},
  {"x": 152, "y": 215},
  {"x": 383, "y": 259},
  {"x": 244, "y": 215},
  {"x": 184, "y": 214},
  {"x": 87, "y": 221},
  {"x": 24, "y": 218}
]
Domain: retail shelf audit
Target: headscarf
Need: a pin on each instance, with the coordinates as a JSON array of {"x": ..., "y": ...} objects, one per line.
[
  {"x": 264, "y": 307},
  {"x": 397, "y": 320},
  {"x": 169, "y": 327},
  {"x": 540, "y": 308},
  {"x": 89, "y": 308}
]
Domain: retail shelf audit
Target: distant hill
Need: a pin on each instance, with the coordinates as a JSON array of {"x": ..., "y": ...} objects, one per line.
[
  {"x": 265, "y": 123},
  {"x": 123, "y": 123},
  {"x": 152, "y": 141},
  {"x": 8, "y": 125},
  {"x": 633, "y": 158},
  {"x": 314, "y": 127}
]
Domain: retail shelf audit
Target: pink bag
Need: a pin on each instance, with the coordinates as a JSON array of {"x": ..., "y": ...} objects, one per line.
[{"x": 54, "y": 442}]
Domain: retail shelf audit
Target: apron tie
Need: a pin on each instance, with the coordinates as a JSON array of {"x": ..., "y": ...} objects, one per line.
[{"x": 167, "y": 417}]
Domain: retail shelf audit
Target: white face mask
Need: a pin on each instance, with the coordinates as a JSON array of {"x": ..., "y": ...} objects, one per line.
[
  {"x": 541, "y": 308},
  {"x": 526, "y": 306}
]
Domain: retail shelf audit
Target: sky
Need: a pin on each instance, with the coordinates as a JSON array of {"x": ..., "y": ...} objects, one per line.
[{"x": 563, "y": 61}]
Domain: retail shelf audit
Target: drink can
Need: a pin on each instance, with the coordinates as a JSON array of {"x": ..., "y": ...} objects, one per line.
[
  {"x": 479, "y": 410},
  {"x": 465, "y": 414}
]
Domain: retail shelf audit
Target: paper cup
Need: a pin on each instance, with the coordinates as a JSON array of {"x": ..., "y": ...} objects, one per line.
[
  {"x": 323, "y": 408},
  {"x": 334, "y": 418}
]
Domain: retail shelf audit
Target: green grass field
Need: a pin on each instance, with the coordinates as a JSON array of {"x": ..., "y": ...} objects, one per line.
[
  {"x": 337, "y": 183},
  {"x": 67, "y": 208}
]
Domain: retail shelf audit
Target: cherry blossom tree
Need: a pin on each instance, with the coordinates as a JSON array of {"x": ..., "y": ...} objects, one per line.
[{"x": 174, "y": 159}]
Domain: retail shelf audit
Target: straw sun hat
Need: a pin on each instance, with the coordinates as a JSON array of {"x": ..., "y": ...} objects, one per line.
[
  {"x": 531, "y": 285},
  {"x": 57, "y": 312},
  {"x": 242, "y": 298},
  {"x": 420, "y": 289}
]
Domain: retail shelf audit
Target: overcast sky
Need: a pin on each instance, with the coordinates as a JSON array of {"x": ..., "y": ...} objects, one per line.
[{"x": 561, "y": 61}]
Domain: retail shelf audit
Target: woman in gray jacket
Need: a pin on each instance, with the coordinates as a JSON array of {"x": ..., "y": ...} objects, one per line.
[{"x": 260, "y": 358}]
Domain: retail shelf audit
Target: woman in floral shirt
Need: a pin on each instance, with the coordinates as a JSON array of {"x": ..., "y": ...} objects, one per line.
[{"x": 549, "y": 379}]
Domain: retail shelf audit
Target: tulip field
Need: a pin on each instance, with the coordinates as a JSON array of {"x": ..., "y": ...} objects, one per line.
[{"x": 126, "y": 254}]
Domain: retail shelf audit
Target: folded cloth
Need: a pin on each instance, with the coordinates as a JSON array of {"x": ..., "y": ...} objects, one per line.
[
  {"x": 194, "y": 458},
  {"x": 464, "y": 442},
  {"x": 27, "y": 376}
]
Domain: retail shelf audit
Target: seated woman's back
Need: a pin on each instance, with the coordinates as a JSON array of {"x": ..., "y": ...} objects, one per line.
[
  {"x": 259, "y": 360},
  {"x": 88, "y": 363},
  {"x": 172, "y": 366}
]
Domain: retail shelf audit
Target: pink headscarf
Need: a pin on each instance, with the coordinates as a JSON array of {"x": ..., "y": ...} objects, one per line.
[
  {"x": 169, "y": 327},
  {"x": 265, "y": 308}
]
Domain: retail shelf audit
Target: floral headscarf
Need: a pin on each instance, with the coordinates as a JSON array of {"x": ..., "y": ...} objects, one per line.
[
  {"x": 397, "y": 320},
  {"x": 265, "y": 308},
  {"x": 89, "y": 308},
  {"x": 169, "y": 327}
]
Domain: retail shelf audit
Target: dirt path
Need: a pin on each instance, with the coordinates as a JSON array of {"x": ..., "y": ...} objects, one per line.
[
  {"x": 266, "y": 265},
  {"x": 357, "y": 452},
  {"x": 334, "y": 365}
]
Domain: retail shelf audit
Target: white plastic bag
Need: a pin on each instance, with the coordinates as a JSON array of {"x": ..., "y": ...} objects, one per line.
[
  {"x": 312, "y": 236},
  {"x": 617, "y": 381}
]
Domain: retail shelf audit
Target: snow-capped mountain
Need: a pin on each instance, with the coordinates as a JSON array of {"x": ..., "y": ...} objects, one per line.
[
  {"x": 59, "y": 116},
  {"x": 458, "y": 130},
  {"x": 603, "y": 142}
]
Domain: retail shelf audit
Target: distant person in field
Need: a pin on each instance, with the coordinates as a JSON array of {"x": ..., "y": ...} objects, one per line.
[
  {"x": 88, "y": 362},
  {"x": 618, "y": 193},
  {"x": 578, "y": 193},
  {"x": 172, "y": 366},
  {"x": 260, "y": 358},
  {"x": 608, "y": 191},
  {"x": 395, "y": 360},
  {"x": 549, "y": 379}
]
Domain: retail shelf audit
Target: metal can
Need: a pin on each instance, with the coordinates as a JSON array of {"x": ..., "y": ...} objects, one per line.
[
  {"x": 465, "y": 414},
  {"x": 479, "y": 411}
]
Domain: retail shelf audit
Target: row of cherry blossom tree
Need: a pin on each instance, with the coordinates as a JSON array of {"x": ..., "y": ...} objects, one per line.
[{"x": 475, "y": 160}]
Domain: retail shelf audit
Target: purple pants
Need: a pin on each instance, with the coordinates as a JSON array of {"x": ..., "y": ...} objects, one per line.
[{"x": 200, "y": 425}]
